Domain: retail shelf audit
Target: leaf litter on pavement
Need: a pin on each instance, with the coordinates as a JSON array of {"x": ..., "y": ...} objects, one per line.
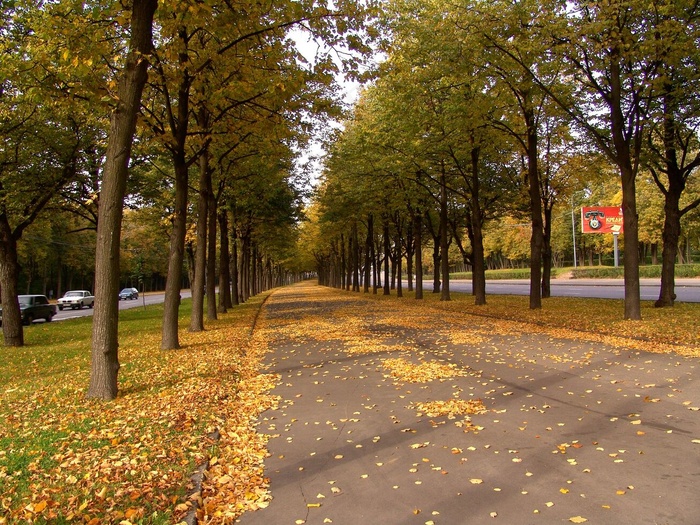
[{"x": 131, "y": 461}]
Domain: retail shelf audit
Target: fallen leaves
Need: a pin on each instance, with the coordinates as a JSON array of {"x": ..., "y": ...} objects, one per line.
[
  {"x": 407, "y": 371},
  {"x": 450, "y": 407}
]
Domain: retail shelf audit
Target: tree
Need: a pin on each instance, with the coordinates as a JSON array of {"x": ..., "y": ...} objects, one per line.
[
  {"x": 105, "y": 360},
  {"x": 672, "y": 134},
  {"x": 46, "y": 133}
]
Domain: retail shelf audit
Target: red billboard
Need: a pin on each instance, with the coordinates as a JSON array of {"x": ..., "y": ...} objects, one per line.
[{"x": 601, "y": 219}]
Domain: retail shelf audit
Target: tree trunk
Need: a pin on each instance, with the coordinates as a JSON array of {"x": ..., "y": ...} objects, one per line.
[
  {"x": 104, "y": 366},
  {"x": 444, "y": 246},
  {"x": 356, "y": 259},
  {"x": 200, "y": 259},
  {"x": 13, "y": 333},
  {"x": 671, "y": 236},
  {"x": 536, "y": 239},
  {"x": 387, "y": 249},
  {"x": 212, "y": 210},
  {"x": 224, "y": 263},
  {"x": 235, "y": 292},
  {"x": 418, "y": 247},
  {"x": 399, "y": 269},
  {"x": 478, "y": 266},
  {"x": 171, "y": 303},
  {"x": 369, "y": 262},
  {"x": 409, "y": 254},
  {"x": 547, "y": 253}
]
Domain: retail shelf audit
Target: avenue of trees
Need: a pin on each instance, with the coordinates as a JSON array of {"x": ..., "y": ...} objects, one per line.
[
  {"x": 145, "y": 140},
  {"x": 158, "y": 145},
  {"x": 489, "y": 123}
]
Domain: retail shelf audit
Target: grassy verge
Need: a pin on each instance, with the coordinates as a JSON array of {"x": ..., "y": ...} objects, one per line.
[
  {"x": 674, "y": 329},
  {"x": 585, "y": 272},
  {"x": 66, "y": 459}
]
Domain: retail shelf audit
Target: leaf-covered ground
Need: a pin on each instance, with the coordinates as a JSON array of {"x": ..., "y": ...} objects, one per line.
[{"x": 65, "y": 459}]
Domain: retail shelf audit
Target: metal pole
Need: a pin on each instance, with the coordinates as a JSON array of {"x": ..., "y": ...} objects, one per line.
[
  {"x": 617, "y": 255},
  {"x": 573, "y": 228}
]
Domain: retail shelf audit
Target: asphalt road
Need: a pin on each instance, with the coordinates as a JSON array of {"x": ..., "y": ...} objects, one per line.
[
  {"x": 144, "y": 299},
  {"x": 687, "y": 290}
]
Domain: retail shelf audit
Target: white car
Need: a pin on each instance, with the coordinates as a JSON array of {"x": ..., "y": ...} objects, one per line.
[{"x": 76, "y": 299}]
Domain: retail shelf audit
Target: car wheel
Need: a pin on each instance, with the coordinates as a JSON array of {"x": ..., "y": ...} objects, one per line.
[
  {"x": 60, "y": 308},
  {"x": 29, "y": 320},
  {"x": 49, "y": 318}
]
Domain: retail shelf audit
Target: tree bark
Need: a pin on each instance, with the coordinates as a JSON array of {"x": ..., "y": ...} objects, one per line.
[
  {"x": 171, "y": 304},
  {"x": 105, "y": 331},
  {"x": 533, "y": 176},
  {"x": 387, "y": 255},
  {"x": 224, "y": 263},
  {"x": 478, "y": 265},
  {"x": 212, "y": 207},
  {"x": 369, "y": 263},
  {"x": 13, "y": 333},
  {"x": 444, "y": 246},
  {"x": 200, "y": 256},
  {"x": 547, "y": 253},
  {"x": 418, "y": 242},
  {"x": 235, "y": 288}
]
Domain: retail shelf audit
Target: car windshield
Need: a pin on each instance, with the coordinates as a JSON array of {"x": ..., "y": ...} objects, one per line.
[
  {"x": 24, "y": 300},
  {"x": 73, "y": 294},
  {"x": 126, "y": 290}
]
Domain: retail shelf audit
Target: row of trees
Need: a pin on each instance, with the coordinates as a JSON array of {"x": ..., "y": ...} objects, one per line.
[
  {"x": 486, "y": 111},
  {"x": 192, "y": 114}
]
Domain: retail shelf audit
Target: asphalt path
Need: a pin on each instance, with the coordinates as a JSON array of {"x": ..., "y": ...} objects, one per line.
[
  {"x": 576, "y": 431},
  {"x": 687, "y": 290}
]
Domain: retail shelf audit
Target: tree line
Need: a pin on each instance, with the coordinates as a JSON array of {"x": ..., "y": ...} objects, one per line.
[
  {"x": 486, "y": 114},
  {"x": 191, "y": 116}
]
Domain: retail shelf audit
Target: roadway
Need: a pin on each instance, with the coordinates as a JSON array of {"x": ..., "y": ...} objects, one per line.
[
  {"x": 143, "y": 300},
  {"x": 687, "y": 290}
]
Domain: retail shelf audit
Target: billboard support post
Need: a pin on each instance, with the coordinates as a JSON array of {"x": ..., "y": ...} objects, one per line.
[{"x": 617, "y": 255}]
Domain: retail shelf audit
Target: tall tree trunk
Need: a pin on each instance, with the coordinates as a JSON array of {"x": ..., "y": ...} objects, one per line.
[
  {"x": 212, "y": 210},
  {"x": 224, "y": 263},
  {"x": 409, "y": 254},
  {"x": 105, "y": 329},
  {"x": 369, "y": 262},
  {"x": 444, "y": 246},
  {"x": 418, "y": 247},
  {"x": 171, "y": 304},
  {"x": 387, "y": 255},
  {"x": 477, "y": 234},
  {"x": 356, "y": 259},
  {"x": 200, "y": 260},
  {"x": 537, "y": 236},
  {"x": 397, "y": 256},
  {"x": 628, "y": 173},
  {"x": 671, "y": 236},
  {"x": 235, "y": 292},
  {"x": 179, "y": 125},
  {"x": 547, "y": 253},
  {"x": 9, "y": 272}
]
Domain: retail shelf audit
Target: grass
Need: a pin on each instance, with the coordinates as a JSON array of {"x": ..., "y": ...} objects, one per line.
[
  {"x": 64, "y": 458},
  {"x": 674, "y": 329},
  {"x": 584, "y": 272}
]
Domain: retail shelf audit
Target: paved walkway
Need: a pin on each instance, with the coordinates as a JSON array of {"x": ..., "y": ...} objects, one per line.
[{"x": 573, "y": 430}]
